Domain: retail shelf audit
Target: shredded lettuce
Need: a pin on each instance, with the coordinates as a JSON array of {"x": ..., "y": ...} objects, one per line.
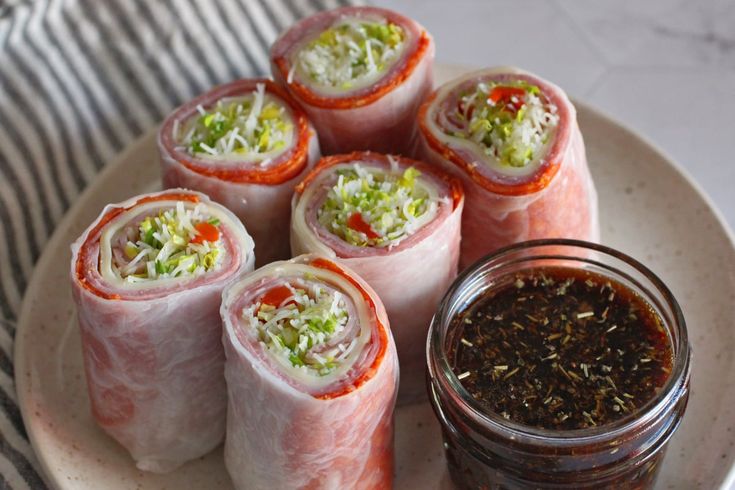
[
  {"x": 302, "y": 331},
  {"x": 161, "y": 246},
  {"x": 350, "y": 51},
  {"x": 249, "y": 125},
  {"x": 392, "y": 204},
  {"x": 512, "y": 128}
]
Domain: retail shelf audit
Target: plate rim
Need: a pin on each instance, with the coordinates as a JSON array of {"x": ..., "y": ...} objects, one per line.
[{"x": 22, "y": 385}]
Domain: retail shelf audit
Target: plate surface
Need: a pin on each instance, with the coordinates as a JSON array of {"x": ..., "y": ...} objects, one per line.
[{"x": 648, "y": 209}]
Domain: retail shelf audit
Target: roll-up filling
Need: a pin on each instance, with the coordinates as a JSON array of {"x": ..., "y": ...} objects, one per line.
[
  {"x": 255, "y": 126},
  {"x": 372, "y": 207},
  {"x": 351, "y": 53},
  {"x": 304, "y": 325},
  {"x": 511, "y": 121},
  {"x": 173, "y": 242}
]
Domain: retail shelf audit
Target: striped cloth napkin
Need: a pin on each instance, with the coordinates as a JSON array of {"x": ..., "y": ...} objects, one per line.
[{"x": 79, "y": 81}]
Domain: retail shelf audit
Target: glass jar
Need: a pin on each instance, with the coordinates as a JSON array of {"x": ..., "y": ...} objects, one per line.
[{"x": 486, "y": 451}]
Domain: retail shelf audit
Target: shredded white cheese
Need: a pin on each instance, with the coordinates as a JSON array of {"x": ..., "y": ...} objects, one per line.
[
  {"x": 510, "y": 121},
  {"x": 351, "y": 53},
  {"x": 303, "y": 330},
  {"x": 370, "y": 207},
  {"x": 255, "y": 126},
  {"x": 169, "y": 244}
]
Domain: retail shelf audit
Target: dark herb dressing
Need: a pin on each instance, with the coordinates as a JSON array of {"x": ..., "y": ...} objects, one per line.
[{"x": 560, "y": 348}]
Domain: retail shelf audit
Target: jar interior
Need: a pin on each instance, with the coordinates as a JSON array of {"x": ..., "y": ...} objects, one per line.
[{"x": 498, "y": 269}]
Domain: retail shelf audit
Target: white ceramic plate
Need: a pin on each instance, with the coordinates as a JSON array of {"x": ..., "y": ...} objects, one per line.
[{"x": 649, "y": 209}]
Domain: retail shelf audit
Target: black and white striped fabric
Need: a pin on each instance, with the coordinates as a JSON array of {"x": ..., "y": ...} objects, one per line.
[{"x": 80, "y": 80}]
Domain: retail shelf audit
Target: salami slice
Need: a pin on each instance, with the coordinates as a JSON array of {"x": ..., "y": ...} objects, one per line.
[
  {"x": 147, "y": 279},
  {"x": 514, "y": 140},
  {"x": 312, "y": 375},
  {"x": 361, "y": 74}
]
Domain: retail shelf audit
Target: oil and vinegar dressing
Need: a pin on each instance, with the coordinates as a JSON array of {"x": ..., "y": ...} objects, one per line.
[{"x": 561, "y": 349}]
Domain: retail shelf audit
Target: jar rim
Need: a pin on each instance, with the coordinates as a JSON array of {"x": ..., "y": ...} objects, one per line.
[{"x": 440, "y": 369}]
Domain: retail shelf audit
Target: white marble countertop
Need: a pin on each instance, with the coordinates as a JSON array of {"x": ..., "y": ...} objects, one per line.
[{"x": 665, "y": 68}]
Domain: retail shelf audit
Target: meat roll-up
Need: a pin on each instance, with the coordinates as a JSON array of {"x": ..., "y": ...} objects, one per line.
[
  {"x": 394, "y": 221},
  {"x": 513, "y": 138},
  {"x": 245, "y": 144},
  {"x": 147, "y": 280},
  {"x": 361, "y": 74},
  {"x": 311, "y": 376}
]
